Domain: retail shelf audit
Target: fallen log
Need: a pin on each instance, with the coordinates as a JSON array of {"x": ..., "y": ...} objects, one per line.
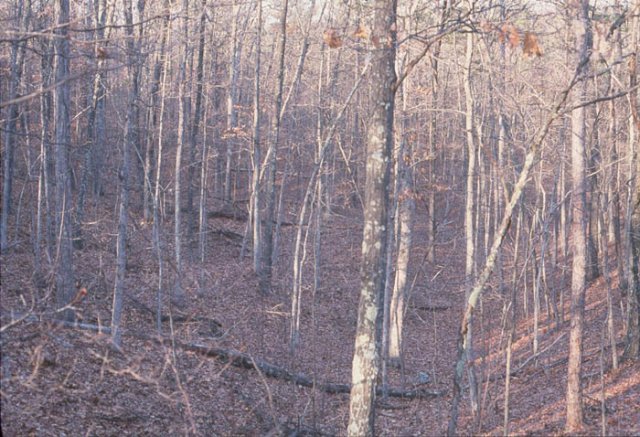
[
  {"x": 432, "y": 307},
  {"x": 239, "y": 359},
  {"x": 245, "y": 361}
]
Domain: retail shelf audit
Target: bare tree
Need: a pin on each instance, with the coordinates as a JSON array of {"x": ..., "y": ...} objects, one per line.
[
  {"x": 96, "y": 15},
  {"x": 184, "y": 111},
  {"x": 264, "y": 276},
  {"x": 406, "y": 205},
  {"x": 469, "y": 223},
  {"x": 579, "y": 222},
  {"x": 62, "y": 107},
  {"x": 133, "y": 57},
  {"x": 256, "y": 197},
  {"x": 366, "y": 358},
  {"x": 18, "y": 48},
  {"x": 632, "y": 349},
  {"x": 153, "y": 117}
]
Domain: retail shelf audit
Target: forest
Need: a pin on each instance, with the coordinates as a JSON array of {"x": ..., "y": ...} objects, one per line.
[{"x": 320, "y": 217}]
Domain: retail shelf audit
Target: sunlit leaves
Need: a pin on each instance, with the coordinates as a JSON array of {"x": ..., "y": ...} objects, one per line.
[
  {"x": 508, "y": 34},
  {"x": 331, "y": 37},
  {"x": 361, "y": 33},
  {"x": 530, "y": 46}
]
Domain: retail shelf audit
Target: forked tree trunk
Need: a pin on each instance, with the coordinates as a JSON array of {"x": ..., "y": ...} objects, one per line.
[{"x": 366, "y": 358}]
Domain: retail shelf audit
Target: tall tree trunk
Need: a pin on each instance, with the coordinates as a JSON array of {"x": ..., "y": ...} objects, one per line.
[
  {"x": 152, "y": 118},
  {"x": 232, "y": 98},
  {"x": 406, "y": 206},
  {"x": 44, "y": 182},
  {"x": 97, "y": 11},
  {"x": 17, "y": 62},
  {"x": 256, "y": 196},
  {"x": 366, "y": 358},
  {"x": 578, "y": 224},
  {"x": 632, "y": 348},
  {"x": 128, "y": 143},
  {"x": 62, "y": 106},
  {"x": 470, "y": 234},
  {"x": 157, "y": 240},
  {"x": 266, "y": 266},
  {"x": 195, "y": 126},
  {"x": 184, "y": 108}
]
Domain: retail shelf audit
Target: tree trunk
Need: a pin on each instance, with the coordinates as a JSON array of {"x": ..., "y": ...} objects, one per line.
[
  {"x": 257, "y": 155},
  {"x": 232, "y": 99},
  {"x": 266, "y": 266},
  {"x": 366, "y": 358},
  {"x": 62, "y": 106},
  {"x": 578, "y": 225},
  {"x": 44, "y": 181},
  {"x": 17, "y": 62},
  {"x": 632, "y": 349},
  {"x": 96, "y": 110},
  {"x": 128, "y": 143},
  {"x": 405, "y": 208},
  {"x": 195, "y": 127},
  {"x": 184, "y": 109},
  {"x": 470, "y": 234},
  {"x": 152, "y": 119}
]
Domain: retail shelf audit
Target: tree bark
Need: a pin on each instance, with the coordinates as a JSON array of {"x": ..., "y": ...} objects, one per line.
[
  {"x": 62, "y": 106},
  {"x": 470, "y": 259},
  {"x": 128, "y": 143},
  {"x": 184, "y": 110},
  {"x": 406, "y": 206},
  {"x": 195, "y": 126},
  {"x": 256, "y": 196},
  {"x": 17, "y": 62},
  {"x": 366, "y": 358},
  {"x": 152, "y": 118},
  {"x": 632, "y": 349},
  {"x": 95, "y": 116},
  {"x": 266, "y": 266},
  {"x": 579, "y": 242}
]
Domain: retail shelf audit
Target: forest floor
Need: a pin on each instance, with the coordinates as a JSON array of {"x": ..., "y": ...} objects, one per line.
[{"x": 60, "y": 381}]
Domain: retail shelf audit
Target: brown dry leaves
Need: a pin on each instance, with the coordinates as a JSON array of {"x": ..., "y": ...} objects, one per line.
[
  {"x": 530, "y": 45},
  {"x": 331, "y": 37},
  {"x": 361, "y": 32},
  {"x": 508, "y": 34}
]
